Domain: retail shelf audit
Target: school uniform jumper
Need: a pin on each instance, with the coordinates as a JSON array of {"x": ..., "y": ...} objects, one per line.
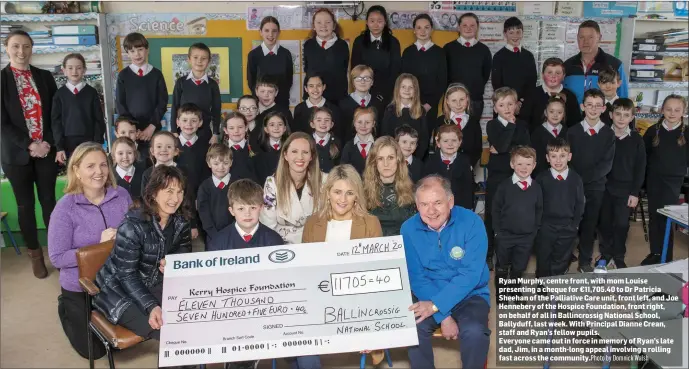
[
  {"x": 460, "y": 174},
  {"x": 133, "y": 184},
  {"x": 229, "y": 238},
  {"x": 472, "y": 136},
  {"x": 471, "y": 66},
  {"x": 76, "y": 117},
  {"x": 415, "y": 169},
  {"x": 348, "y": 107},
  {"x": 352, "y": 155},
  {"x": 262, "y": 62},
  {"x": 205, "y": 94},
  {"x": 539, "y": 141},
  {"x": 383, "y": 57},
  {"x": 428, "y": 64},
  {"x": 625, "y": 179},
  {"x": 332, "y": 63},
  {"x": 213, "y": 207},
  {"x": 391, "y": 122},
  {"x": 592, "y": 156},
  {"x": 325, "y": 161},
  {"x": 503, "y": 138},
  {"x": 563, "y": 208},
  {"x": 242, "y": 162},
  {"x": 266, "y": 163},
  {"x": 667, "y": 166},
  {"x": 514, "y": 69}
]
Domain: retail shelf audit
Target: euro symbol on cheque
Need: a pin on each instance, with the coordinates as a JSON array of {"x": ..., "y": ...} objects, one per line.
[
  {"x": 281, "y": 256},
  {"x": 324, "y": 286}
]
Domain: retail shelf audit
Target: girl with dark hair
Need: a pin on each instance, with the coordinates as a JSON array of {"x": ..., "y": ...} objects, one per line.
[
  {"x": 274, "y": 132},
  {"x": 271, "y": 59},
  {"x": 377, "y": 48},
  {"x": 325, "y": 52},
  {"x": 28, "y": 147},
  {"x": 427, "y": 62},
  {"x": 131, "y": 280}
]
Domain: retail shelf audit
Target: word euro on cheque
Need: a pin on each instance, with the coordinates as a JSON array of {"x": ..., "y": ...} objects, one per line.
[{"x": 283, "y": 301}]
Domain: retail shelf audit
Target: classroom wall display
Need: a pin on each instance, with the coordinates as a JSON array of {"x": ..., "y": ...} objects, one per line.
[
  {"x": 609, "y": 9},
  {"x": 569, "y": 8},
  {"x": 478, "y": 7},
  {"x": 289, "y": 16}
]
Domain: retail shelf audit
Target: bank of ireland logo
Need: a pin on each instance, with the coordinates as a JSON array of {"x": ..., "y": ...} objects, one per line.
[
  {"x": 281, "y": 256},
  {"x": 457, "y": 253}
]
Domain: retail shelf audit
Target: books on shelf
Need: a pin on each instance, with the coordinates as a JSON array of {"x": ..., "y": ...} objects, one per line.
[
  {"x": 69, "y": 30},
  {"x": 84, "y": 40}
]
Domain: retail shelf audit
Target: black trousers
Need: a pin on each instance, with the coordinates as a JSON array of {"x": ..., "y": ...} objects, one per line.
[
  {"x": 144, "y": 147},
  {"x": 492, "y": 182},
  {"x": 137, "y": 321},
  {"x": 43, "y": 173},
  {"x": 661, "y": 191},
  {"x": 614, "y": 227},
  {"x": 512, "y": 254},
  {"x": 554, "y": 245},
  {"x": 588, "y": 225},
  {"x": 71, "y": 309}
]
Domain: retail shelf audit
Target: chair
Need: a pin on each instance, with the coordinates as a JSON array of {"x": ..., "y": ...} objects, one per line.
[
  {"x": 362, "y": 363},
  {"x": 3, "y": 216},
  {"x": 89, "y": 260}
]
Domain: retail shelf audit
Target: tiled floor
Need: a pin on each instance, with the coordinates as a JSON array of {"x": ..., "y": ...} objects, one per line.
[{"x": 31, "y": 335}]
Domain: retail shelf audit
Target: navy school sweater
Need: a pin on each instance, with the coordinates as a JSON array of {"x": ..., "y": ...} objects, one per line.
[
  {"x": 325, "y": 160},
  {"x": 229, "y": 239},
  {"x": 385, "y": 60},
  {"x": 563, "y": 201},
  {"x": 592, "y": 156},
  {"x": 539, "y": 141},
  {"x": 415, "y": 169},
  {"x": 460, "y": 174},
  {"x": 193, "y": 159},
  {"x": 628, "y": 167},
  {"x": 668, "y": 159},
  {"x": 213, "y": 207},
  {"x": 205, "y": 95},
  {"x": 134, "y": 186},
  {"x": 472, "y": 137},
  {"x": 347, "y": 109},
  {"x": 265, "y": 164},
  {"x": 279, "y": 66},
  {"x": 430, "y": 68},
  {"x": 142, "y": 98},
  {"x": 516, "y": 211},
  {"x": 515, "y": 70},
  {"x": 302, "y": 117},
  {"x": 332, "y": 63},
  {"x": 391, "y": 122},
  {"x": 242, "y": 164},
  {"x": 469, "y": 65},
  {"x": 77, "y": 115},
  {"x": 504, "y": 139},
  {"x": 352, "y": 155}
]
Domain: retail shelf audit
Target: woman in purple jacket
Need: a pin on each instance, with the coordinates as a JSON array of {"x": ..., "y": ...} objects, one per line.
[{"x": 90, "y": 212}]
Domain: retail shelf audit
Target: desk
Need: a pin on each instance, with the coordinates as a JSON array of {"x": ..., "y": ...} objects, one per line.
[{"x": 668, "y": 228}]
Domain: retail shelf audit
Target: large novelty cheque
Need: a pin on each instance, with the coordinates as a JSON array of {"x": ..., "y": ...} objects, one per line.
[{"x": 282, "y": 301}]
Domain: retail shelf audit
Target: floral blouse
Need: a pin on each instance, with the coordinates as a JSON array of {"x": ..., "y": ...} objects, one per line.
[{"x": 30, "y": 101}]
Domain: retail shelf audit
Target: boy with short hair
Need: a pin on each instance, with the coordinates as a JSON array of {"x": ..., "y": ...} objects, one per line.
[
  {"x": 267, "y": 91},
  {"x": 535, "y": 102},
  {"x": 453, "y": 165},
  {"x": 193, "y": 147},
  {"x": 513, "y": 65},
  {"x": 141, "y": 92},
  {"x": 245, "y": 199},
  {"x": 563, "y": 207},
  {"x": 517, "y": 211},
  {"x": 593, "y": 150},
  {"x": 314, "y": 87},
  {"x": 608, "y": 82},
  {"x": 213, "y": 191},
  {"x": 407, "y": 137},
  {"x": 623, "y": 184},
  {"x": 196, "y": 88},
  {"x": 504, "y": 134}
]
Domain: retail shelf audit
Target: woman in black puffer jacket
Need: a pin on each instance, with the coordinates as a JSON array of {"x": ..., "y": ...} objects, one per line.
[{"x": 131, "y": 280}]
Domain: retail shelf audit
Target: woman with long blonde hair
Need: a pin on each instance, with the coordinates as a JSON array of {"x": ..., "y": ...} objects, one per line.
[
  {"x": 291, "y": 195},
  {"x": 406, "y": 108},
  {"x": 387, "y": 186}
]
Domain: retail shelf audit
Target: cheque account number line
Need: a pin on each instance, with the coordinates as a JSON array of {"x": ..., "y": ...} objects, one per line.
[
  {"x": 222, "y": 320},
  {"x": 238, "y": 306},
  {"x": 345, "y": 322},
  {"x": 243, "y": 294}
]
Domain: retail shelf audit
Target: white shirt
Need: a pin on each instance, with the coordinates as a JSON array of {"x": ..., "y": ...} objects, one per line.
[
  {"x": 551, "y": 128},
  {"x": 511, "y": 48},
  {"x": 374, "y": 38},
  {"x": 410, "y": 159},
  {"x": 408, "y": 106},
  {"x": 240, "y": 143},
  {"x": 504, "y": 121},
  {"x": 555, "y": 173},
  {"x": 611, "y": 101},
  {"x": 318, "y": 138},
  {"x": 596, "y": 128},
  {"x": 463, "y": 41},
  {"x": 125, "y": 172},
  {"x": 320, "y": 104},
  {"x": 627, "y": 132},
  {"x": 463, "y": 116},
  {"x": 328, "y": 43},
  {"x": 252, "y": 125},
  {"x": 441, "y": 227},
  {"x": 184, "y": 141},
  {"x": 267, "y": 51},
  {"x": 172, "y": 164},
  {"x": 426, "y": 46},
  {"x": 78, "y": 86},
  {"x": 450, "y": 158},
  {"x": 545, "y": 89},
  {"x": 225, "y": 180},
  {"x": 368, "y": 140},
  {"x": 262, "y": 108},
  {"x": 273, "y": 142},
  {"x": 241, "y": 231},
  {"x": 147, "y": 68},
  {"x": 667, "y": 127},
  {"x": 338, "y": 230},
  {"x": 516, "y": 179},
  {"x": 358, "y": 97},
  {"x": 203, "y": 79}
]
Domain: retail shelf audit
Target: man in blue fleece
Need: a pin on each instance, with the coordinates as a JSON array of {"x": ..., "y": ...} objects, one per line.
[{"x": 446, "y": 247}]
